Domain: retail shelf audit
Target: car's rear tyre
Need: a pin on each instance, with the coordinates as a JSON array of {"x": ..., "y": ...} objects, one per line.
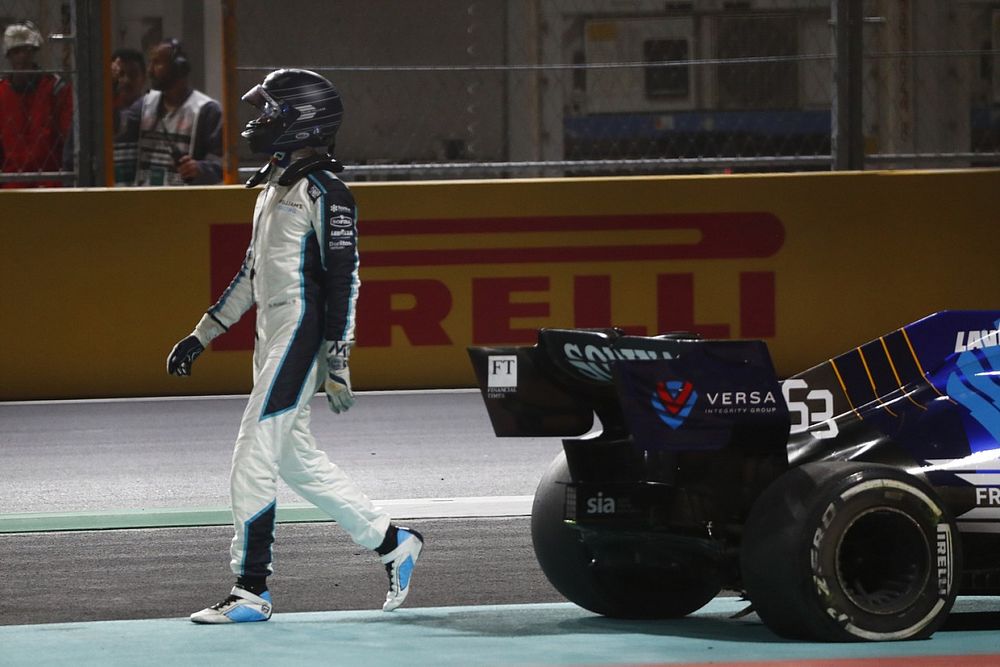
[
  {"x": 838, "y": 551},
  {"x": 639, "y": 592}
]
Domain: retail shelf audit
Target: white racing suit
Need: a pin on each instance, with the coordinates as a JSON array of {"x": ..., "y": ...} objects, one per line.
[{"x": 301, "y": 271}]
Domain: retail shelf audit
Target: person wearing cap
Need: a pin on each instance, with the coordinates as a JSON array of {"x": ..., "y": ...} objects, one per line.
[{"x": 36, "y": 110}]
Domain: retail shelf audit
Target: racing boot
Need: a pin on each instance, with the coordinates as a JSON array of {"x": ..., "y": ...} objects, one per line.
[
  {"x": 241, "y": 606},
  {"x": 399, "y": 566}
]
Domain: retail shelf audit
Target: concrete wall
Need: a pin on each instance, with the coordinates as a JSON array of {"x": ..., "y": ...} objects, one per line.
[{"x": 99, "y": 284}]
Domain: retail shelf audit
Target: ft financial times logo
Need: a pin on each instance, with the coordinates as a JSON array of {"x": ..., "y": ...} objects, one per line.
[{"x": 501, "y": 375}]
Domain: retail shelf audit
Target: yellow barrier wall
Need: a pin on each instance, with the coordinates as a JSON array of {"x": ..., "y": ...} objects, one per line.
[{"x": 99, "y": 284}]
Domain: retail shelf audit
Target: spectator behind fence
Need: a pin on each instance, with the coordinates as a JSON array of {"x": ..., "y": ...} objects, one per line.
[
  {"x": 173, "y": 134},
  {"x": 128, "y": 85},
  {"x": 128, "y": 81},
  {"x": 36, "y": 110}
]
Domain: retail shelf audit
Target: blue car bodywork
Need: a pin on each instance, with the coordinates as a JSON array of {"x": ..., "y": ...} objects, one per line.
[{"x": 692, "y": 432}]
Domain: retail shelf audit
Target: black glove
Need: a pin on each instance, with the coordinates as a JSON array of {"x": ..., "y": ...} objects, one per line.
[{"x": 183, "y": 355}]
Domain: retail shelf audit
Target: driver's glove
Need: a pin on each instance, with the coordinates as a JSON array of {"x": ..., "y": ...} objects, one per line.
[
  {"x": 338, "y": 377},
  {"x": 183, "y": 355}
]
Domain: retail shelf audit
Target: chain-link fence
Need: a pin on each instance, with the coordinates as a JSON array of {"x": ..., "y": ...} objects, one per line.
[
  {"x": 569, "y": 86},
  {"x": 592, "y": 86},
  {"x": 466, "y": 88},
  {"x": 932, "y": 83},
  {"x": 37, "y": 94}
]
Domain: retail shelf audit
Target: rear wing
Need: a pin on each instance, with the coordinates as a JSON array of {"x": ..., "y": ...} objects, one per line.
[{"x": 674, "y": 392}]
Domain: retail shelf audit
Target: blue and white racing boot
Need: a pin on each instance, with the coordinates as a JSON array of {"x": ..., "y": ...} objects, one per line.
[
  {"x": 399, "y": 566},
  {"x": 241, "y": 606}
]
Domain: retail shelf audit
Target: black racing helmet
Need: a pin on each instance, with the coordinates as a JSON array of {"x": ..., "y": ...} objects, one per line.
[{"x": 298, "y": 108}]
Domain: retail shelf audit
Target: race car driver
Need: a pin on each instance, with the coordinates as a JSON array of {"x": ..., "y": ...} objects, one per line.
[{"x": 301, "y": 272}]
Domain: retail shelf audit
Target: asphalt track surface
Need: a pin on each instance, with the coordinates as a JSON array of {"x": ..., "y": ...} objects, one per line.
[{"x": 153, "y": 474}]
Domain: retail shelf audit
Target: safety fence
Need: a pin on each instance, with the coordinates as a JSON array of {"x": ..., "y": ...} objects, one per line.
[{"x": 466, "y": 88}]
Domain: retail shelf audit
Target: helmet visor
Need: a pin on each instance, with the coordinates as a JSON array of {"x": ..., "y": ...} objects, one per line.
[{"x": 262, "y": 100}]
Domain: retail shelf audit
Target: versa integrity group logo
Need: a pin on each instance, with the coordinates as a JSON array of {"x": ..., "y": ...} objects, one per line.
[{"x": 673, "y": 400}]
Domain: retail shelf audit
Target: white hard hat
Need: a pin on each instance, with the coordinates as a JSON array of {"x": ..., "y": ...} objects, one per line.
[{"x": 21, "y": 34}]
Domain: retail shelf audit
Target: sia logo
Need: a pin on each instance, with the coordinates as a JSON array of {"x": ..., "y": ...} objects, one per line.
[{"x": 673, "y": 401}]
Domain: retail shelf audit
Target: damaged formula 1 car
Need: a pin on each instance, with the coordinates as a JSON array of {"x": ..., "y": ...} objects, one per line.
[{"x": 852, "y": 501}]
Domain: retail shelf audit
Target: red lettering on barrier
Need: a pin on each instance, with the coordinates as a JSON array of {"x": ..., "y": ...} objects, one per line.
[
  {"x": 421, "y": 322},
  {"x": 492, "y": 309},
  {"x": 592, "y": 305},
  {"x": 227, "y": 247},
  {"x": 725, "y": 235},
  {"x": 675, "y": 307},
  {"x": 720, "y": 236},
  {"x": 757, "y": 305}
]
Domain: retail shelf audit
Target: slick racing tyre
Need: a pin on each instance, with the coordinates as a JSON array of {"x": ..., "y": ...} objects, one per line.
[
  {"x": 837, "y": 551},
  {"x": 570, "y": 566}
]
